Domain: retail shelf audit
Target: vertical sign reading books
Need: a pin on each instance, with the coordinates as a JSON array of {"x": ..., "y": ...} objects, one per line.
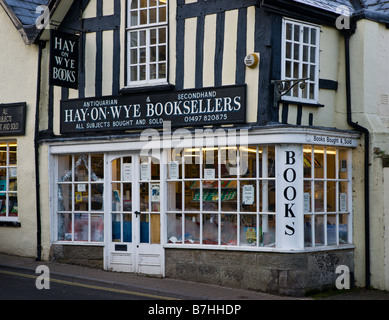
[
  {"x": 290, "y": 203},
  {"x": 64, "y": 59}
]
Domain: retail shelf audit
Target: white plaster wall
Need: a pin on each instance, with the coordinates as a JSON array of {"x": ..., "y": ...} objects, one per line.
[{"x": 18, "y": 74}]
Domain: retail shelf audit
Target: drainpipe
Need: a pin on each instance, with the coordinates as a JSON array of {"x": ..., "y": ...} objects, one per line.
[
  {"x": 41, "y": 44},
  {"x": 365, "y": 131}
]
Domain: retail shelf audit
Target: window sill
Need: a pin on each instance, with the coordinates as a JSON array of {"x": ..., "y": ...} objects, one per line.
[
  {"x": 258, "y": 249},
  {"x": 303, "y": 103},
  {"x": 160, "y": 87},
  {"x": 13, "y": 224}
]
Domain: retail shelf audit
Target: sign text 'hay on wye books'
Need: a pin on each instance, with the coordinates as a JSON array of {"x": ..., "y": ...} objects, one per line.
[{"x": 64, "y": 59}]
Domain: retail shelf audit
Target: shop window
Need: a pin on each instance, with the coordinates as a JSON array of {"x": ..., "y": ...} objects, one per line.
[
  {"x": 327, "y": 195},
  {"x": 147, "y": 42},
  {"x": 80, "y": 189},
  {"x": 222, "y": 196},
  {"x": 8, "y": 182},
  {"x": 300, "y": 59}
]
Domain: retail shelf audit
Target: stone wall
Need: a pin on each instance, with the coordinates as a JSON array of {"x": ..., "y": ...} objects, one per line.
[
  {"x": 293, "y": 274},
  {"x": 90, "y": 256}
]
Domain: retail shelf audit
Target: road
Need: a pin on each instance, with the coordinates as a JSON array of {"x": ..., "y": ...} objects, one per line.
[{"x": 22, "y": 285}]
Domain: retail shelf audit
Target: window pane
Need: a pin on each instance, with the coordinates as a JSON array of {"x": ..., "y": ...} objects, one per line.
[
  {"x": 308, "y": 231},
  {"x": 248, "y": 162},
  {"x": 248, "y": 230},
  {"x": 144, "y": 197},
  {"x": 97, "y": 227},
  {"x": 134, "y": 4},
  {"x": 210, "y": 195},
  {"x": 192, "y": 228},
  {"x": 127, "y": 228},
  {"x": 229, "y": 229},
  {"x": 97, "y": 193},
  {"x": 228, "y": 195},
  {"x": 64, "y": 168},
  {"x": 12, "y": 154},
  {"x": 97, "y": 163},
  {"x": 65, "y": 227},
  {"x": 343, "y": 228},
  {"x": 134, "y": 39},
  {"x": 331, "y": 230},
  {"x": 116, "y": 197},
  {"x": 210, "y": 229},
  {"x": 192, "y": 163},
  {"x": 162, "y": 70},
  {"x": 81, "y": 197},
  {"x": 296, "y": 33},
  {"x": 319, "y": 230},
  {"x": 162, "y": 14},
  {"x": 152, "y": 15},
  {"x": 228, "y": 162},
  {"x": 331, "y": 166},
  {"x": 268, "y": 228},
  {"x": 307, "y": 161},
  {"x": 127, "y": 198},
  {"x": 81, "y": 168},
  {"x": 134, "y": 56},
  {"x": 81, "y": 227},
  {"x": 174, "y": 228},
  {"x": 65, "y": 197},
  {"x": 248, "y": 196},
  {"x": 331, "y": 196},
  {"x": 319, "y": 196},
  {"x": 271, "y": 160},
  {"x": 153, "y": 36},
  {"x": 162, "y": 35},
  {"x": 289, "y": 28},
  {"x": 319, "y": 162},
  {"x": 116, "y": 227},
  {"x": 192, "y": 195}
]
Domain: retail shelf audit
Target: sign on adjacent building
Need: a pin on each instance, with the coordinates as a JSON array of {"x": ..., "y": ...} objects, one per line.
[
  {"x": 209, "y": 106},
  {"x": 12, "y": 119},
  {"x": 64, "y": 59}
]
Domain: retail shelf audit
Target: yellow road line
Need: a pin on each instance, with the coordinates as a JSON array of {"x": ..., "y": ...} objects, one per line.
[{"x": 89, "y": 286}]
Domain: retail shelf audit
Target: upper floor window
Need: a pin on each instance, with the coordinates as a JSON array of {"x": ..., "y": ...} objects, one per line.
[
  {"x": 146, "y": 42},
  {"x": 300, "y": 59}
]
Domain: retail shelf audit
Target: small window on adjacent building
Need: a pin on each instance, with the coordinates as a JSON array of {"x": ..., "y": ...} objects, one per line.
[
  {"x": 300, "y": 59},
  {"x": 8, "y": 182},
  {"x": 146, "y": 42}
]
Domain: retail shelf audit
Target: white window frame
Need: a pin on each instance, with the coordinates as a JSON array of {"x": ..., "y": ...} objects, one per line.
[
  {"x": 312, "y": 214},
  {"x": 147, "y": 28},
  {"x": 7, "y": 192},
  {"x": 297, "y": 94},
  {"x": 69, "y": 180}
]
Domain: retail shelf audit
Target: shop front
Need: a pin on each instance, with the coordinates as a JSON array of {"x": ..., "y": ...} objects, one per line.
[{"x": 235, "y": 206}]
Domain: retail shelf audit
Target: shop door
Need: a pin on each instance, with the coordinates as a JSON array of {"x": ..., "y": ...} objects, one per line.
[{"x": 134, "y": 214}]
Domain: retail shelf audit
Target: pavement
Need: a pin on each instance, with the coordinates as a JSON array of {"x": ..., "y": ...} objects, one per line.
[{"x": 188, "y": 290}]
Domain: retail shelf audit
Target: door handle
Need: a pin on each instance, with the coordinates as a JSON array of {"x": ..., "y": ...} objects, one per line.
[{"x": 137, "y": 213}]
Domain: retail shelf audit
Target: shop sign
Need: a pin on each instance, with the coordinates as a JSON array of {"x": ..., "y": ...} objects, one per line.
[
  {"x": 64, "y": 59},
  {"x": 290, "y": 205},
  {"x": 197, "y": 107},
  {"x": 12, "y": 119}
]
